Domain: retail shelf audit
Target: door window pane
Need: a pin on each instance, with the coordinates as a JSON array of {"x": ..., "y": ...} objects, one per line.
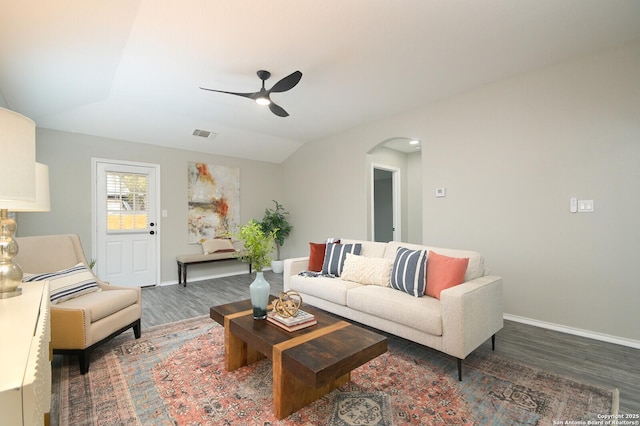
[{"x": 127, "y": 201}]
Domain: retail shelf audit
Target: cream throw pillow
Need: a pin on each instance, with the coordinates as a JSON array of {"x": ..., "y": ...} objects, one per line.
[
  {"x": 367, "y": 270},
  {"x": 217, "y": 245}
]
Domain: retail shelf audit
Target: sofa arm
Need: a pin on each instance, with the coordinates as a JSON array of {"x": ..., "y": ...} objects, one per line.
[
  {"x": 294, "y": 266},
  {"x": 471, "y": 313}
]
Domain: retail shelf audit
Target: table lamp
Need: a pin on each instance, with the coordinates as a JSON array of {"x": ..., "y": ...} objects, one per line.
[{"x": 17, "y": 190}]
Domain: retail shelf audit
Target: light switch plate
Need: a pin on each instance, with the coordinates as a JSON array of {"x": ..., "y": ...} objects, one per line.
[{"x": 441, "y": 192}]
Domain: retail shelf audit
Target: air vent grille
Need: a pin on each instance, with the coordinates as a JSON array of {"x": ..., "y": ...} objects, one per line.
[{"x": 203, "y": 133}]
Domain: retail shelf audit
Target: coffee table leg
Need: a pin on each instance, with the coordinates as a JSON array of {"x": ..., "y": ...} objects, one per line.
[
  {"x": 236, "y": 352},
  {"x": 290, "y": 394}
]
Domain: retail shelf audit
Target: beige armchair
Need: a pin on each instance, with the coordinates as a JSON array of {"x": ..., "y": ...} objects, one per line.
[{"x": 80, "y": 324}]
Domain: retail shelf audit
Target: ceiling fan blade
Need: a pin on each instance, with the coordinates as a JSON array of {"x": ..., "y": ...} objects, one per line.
[
  {"x": 287, "y": 83},
  {"x": 244, "y": 95},
  {"x": 278, "y": 110}
]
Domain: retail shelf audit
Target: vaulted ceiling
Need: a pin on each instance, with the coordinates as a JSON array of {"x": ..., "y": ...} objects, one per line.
[{"x": 131, "y": 69}]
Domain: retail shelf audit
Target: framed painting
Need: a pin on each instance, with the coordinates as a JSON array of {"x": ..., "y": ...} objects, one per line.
[{"x": 214, "y": 201}]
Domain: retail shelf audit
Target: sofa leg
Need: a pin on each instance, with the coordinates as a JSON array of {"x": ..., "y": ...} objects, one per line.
[
  {"x": 137, "y": 329},
  {"x": 459, "y": 370},
  {"x": 493, "y": 342}
]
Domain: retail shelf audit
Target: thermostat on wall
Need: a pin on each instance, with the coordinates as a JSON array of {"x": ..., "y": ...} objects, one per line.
[{"x": 441, "y": 192}]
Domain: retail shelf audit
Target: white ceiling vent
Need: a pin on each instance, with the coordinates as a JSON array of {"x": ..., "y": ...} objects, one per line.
[{"x": 204, "y": 134}]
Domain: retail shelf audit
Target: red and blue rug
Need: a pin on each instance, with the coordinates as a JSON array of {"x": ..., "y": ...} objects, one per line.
[{"x": 175, "y": 375}]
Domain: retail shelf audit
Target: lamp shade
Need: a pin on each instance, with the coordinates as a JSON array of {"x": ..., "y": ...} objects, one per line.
[
  {"x": 42, "y": 202},
  {"x": 17, "y": 157}
]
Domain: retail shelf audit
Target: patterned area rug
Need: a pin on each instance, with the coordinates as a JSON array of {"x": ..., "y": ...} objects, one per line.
[{"x": 175, "y": 375}]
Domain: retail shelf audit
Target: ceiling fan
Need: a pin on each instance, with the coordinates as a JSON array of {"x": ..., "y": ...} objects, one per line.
[{"x": 263, "y": 96}]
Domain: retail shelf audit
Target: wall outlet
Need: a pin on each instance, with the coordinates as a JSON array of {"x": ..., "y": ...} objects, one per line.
[{"x": 441, "y": 192}]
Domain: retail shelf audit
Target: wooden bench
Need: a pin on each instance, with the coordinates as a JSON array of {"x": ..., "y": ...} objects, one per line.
[{"x": 184, "y": 260}]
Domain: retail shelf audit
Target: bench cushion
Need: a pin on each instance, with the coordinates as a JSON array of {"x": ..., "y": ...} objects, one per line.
[{"x": 195, "y": 258}]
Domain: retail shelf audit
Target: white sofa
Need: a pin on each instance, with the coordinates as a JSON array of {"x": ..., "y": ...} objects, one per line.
[{"x": 465, "y": 316}]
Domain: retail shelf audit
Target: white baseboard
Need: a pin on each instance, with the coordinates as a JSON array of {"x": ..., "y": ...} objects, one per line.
[
  {"x": 209, "y": 277},
  {"x": 575, "y": 331}
]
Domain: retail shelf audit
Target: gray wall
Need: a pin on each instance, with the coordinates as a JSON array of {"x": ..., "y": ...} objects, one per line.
[
  {"x": 511, "y": 155},
  {"x": 68, "y": 156}
]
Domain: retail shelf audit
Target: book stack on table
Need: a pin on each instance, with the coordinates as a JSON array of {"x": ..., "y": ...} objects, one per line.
[{"x": 302, "y": 320}]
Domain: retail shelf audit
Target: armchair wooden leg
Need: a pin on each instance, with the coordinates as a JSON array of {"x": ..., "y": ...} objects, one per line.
[
  {"x": 137, "y": 329},
  {"x": 83, "y": 359},
  {"x": 493, "y": 342},
  {"x": 459, "y": 370}
]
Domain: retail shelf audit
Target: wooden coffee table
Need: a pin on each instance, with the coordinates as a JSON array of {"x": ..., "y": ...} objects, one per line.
[{"x": 308, "y": 363}]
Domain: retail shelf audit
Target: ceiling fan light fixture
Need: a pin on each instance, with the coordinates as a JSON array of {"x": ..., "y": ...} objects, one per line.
[{"x": 262, "y": 97}]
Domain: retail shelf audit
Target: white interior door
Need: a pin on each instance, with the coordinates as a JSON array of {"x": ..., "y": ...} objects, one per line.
[{"x": 127, "y": 231}]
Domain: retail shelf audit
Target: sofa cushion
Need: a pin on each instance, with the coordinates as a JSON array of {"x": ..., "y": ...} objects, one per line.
[
  {"x": 409, "y": 271},
  {"x": 102, "y": 304},
  {"x": 334, "y": 257},
  {"x": 67, "y": 283},
  {"x": 444, "y": 272},
  {"x": 367, "y": 270},
  {"x": 331, "y": 289},
  {"x": 422, "y": 313}
]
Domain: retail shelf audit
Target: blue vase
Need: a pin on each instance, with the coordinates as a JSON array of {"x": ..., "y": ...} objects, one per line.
[{"x": 259, "y": 290}]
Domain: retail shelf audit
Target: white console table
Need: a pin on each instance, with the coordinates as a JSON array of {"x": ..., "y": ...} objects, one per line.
[{"x": 25, "y": 356}]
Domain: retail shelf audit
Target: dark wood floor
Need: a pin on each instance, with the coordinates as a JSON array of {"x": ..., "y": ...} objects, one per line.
[{"x": 578, "y": 357}]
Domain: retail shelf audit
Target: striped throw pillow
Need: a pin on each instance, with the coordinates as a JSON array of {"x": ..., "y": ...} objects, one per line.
[
  {"x": 335, "y": 255},
  {"x": 409, "y": 271},
  {"x": 68, "y": 283}
]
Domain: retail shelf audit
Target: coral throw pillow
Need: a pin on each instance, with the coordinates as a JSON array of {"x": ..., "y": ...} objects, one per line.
[
  {"x": 316, "y": 256},
  {"x": 444, "y": 272}
]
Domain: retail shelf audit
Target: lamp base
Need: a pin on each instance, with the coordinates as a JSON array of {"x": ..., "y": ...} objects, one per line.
[
  {"x": 9, "y": 294},
  {"x": 10, "y": 272}
]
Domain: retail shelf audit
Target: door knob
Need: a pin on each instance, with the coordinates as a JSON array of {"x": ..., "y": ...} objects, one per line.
[{"x": 152, "y": 232}]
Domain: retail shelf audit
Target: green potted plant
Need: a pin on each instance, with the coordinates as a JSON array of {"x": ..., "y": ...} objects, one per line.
[
  {"x": 275, "y": 220},
  {"x": 258, "y": 249}
]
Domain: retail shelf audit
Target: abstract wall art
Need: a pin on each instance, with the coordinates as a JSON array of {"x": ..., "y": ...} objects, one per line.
[{"x": 214, "y": 201}]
